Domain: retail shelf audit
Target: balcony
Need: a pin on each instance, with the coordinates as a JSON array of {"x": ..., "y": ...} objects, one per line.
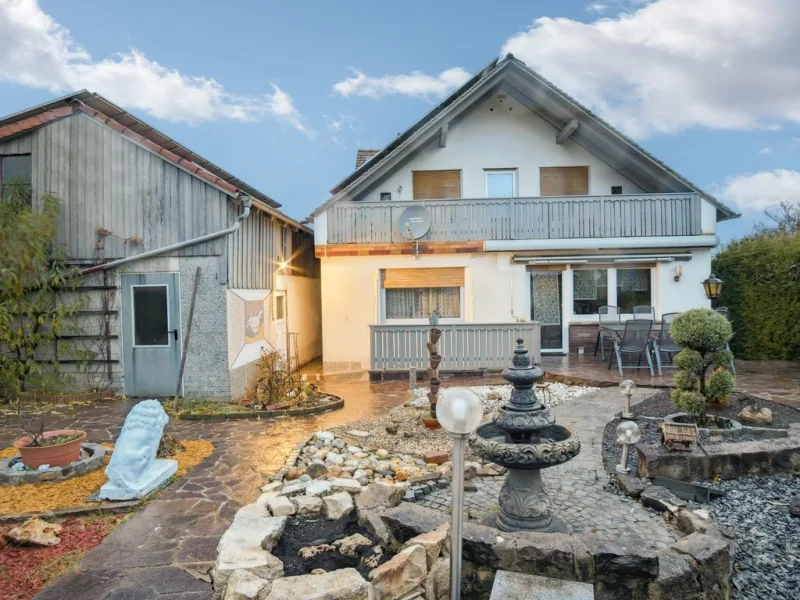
[{"x": 540, "y": 218}]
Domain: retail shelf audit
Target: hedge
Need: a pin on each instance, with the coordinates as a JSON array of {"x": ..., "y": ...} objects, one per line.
[{"x": 761, "y": 275}]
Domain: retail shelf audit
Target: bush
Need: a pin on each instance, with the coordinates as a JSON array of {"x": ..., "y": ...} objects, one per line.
[
  {"x": 703, "y": 334},
  {"x": 761, "y": 275}
]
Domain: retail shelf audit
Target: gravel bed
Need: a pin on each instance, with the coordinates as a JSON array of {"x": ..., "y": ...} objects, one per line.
[
  {"x": 660, "y": 405},
  {"x": 412, "y": 437},
  {"x": 767, "y": 563}
]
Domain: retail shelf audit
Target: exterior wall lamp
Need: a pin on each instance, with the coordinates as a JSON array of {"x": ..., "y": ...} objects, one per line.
[
  {"x": 713, "y": 288},
  {"x": 627, "y": 435},
  {"x": 678, "y": 273},
  {"x": 459, "y": 412}
]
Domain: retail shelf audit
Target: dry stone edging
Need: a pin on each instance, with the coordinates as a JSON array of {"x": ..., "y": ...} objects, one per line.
[{"x": 622, "y": 568}]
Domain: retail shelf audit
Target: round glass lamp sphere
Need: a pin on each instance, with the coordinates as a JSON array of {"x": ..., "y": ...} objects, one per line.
[
  {"x": 628, "y": 433},
  {"x": 626, "y": 387},
  {"x": 459, "y": 410}
]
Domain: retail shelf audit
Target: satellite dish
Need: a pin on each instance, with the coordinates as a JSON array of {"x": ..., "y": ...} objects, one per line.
[{"x": 415, "y": 222}]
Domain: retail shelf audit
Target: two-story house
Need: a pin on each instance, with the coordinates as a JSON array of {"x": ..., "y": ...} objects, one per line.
[
  {"x": 160, "y": 232},
  {"x": 528, "y": 213}
]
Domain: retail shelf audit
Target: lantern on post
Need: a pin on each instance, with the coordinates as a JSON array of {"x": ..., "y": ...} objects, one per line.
[
  {"x": 459, "y": 411},
  {"x": 712, "y": 286}
]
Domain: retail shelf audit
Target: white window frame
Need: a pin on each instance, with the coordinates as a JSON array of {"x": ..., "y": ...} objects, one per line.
[
  {"x": 612, "y": 290},
  {"x": 133, "y": 316},
  {"x": 275, "y": 318},
  {"x": 514, "y": 174},
  {"x": 424, "y": 321}
]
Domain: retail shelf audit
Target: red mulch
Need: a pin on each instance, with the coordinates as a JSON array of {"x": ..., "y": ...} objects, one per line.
[{"x": 23, "y": 569}]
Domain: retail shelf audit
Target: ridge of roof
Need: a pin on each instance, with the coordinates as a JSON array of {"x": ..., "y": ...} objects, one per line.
[
  {"x": 102, "y": 109},
  {"x": 496, "y": 64}
]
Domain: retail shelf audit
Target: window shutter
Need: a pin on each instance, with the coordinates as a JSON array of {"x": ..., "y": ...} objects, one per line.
[
  {"x": 423, "y": 278},
  {"x": 436, "y": 185},
  {"x": 564, "y": 181}
]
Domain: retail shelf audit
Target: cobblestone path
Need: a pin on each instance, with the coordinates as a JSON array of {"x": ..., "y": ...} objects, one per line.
[{"x": 578, "y": 488}]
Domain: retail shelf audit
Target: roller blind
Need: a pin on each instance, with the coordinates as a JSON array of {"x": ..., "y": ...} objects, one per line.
[
  {"x": 423, "y": 278},
  {"x": 436, "y": 185},
  {"x": 564, "y": 181}
]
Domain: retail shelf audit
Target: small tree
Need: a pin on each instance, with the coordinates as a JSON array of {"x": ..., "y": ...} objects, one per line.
[
  {"x": 703, "y": 334},
  {"x": 32, "y": 318}
]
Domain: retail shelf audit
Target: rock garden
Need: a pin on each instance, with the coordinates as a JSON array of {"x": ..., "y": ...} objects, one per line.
[{"x": 722, "y": 454}]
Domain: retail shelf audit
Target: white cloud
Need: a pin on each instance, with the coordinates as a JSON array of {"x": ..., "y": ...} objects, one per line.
[
  {"x": 415, "y": 83},
  {"x": 766, "y": 150},
  {"x": 36, "y": 51},
  {"x": 675, "y": 64},
  {"x": 340, "y": 122},
  {"x": 757, "y": 191}
]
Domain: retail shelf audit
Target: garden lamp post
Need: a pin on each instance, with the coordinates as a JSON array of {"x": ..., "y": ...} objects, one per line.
[
  {"x": 626, "y": 387},
  {"x": 712, "y": 286},
  {"x": 627, "y": 434},
  {"x": 459, "y": 412}
]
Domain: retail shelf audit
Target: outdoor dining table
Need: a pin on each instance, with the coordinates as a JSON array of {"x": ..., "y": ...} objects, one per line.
[{"x": 617, "y": 329}]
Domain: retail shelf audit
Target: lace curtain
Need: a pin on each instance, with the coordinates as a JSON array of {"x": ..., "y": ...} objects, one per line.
[
  {"x": 418, "y": 303},
  {"x": 546, "y": 298},
  {"x": 633, "y": 280}
]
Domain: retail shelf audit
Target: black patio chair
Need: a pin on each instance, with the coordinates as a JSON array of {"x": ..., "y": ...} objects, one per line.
[
  {"x": 723, "y": 310},
  {"x": 635, "y": 340},
  {"x": 606, "y": 314},
  {"x": 664, "y": 344},
  {"x": 644, "y": 312}
]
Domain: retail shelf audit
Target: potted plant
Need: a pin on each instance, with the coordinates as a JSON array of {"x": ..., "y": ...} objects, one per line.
[{"x": 57, "y": 447}]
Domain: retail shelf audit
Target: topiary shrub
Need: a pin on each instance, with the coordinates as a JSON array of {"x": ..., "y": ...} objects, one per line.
[{"x": 702, "y": 333}]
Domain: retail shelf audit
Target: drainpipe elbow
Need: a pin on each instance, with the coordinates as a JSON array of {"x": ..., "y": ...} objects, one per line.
[{"x": 247, "y": 202}]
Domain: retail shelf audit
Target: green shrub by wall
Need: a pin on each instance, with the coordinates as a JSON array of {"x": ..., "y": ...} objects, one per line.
[{"x": 761, "y": 275}]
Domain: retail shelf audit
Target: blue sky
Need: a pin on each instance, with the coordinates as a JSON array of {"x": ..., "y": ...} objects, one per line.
[{"x": 283, "y": 94}]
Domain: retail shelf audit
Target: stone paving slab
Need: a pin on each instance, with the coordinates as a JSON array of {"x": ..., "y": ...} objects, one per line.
[{"x": 520, "y": 586}]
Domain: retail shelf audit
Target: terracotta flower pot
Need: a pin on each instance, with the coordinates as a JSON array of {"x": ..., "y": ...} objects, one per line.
[
  {"x": 433, "y": 373},
  {"x": 435, "y": 360},
  {"x": 433, "y": 398},
  {"x": 433, "y": 348},
  {"x": 430, "y": 422},
  {"x": 56, "y": 456},
  {"x": 435, "y": 384},
  {"x": 435, "y": 334}
]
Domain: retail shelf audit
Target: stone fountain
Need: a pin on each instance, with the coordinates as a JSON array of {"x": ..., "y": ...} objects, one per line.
[{"x": 524, "y": 438}]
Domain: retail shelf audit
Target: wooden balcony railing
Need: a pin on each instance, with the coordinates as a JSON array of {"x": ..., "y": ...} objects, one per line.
[
  {"x": 464, "y": 346},
  {"x": 522, "y": 218}
]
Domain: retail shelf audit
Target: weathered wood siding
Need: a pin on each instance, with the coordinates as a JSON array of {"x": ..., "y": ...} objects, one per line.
[
  {"x": 106, "y": 181},
  {"x": 253, "y": 251},
  {"x": 521, "y": 218}
]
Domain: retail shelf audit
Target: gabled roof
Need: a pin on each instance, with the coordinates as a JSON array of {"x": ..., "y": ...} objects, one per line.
[
  {"x": 100, "y": 108},
  {"x": 551, "y": 104}
]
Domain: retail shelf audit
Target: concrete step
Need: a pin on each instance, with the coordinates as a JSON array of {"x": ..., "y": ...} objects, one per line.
[{"x": 519, "y": 586}]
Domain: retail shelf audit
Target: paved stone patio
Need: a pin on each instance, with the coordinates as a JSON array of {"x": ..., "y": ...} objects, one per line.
[
  {"x": 777, "y": 380},
  {"x": 578, "y": 488}
]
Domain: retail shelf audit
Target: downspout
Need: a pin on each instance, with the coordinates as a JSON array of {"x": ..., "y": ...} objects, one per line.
[{"x": 247, "y": 202}]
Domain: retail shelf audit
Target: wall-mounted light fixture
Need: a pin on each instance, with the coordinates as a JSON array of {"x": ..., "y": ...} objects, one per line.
[{"x": 678, "y": 273}]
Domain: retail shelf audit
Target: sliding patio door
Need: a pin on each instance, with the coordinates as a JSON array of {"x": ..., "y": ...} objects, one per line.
[{"x": 547, "y": 308}]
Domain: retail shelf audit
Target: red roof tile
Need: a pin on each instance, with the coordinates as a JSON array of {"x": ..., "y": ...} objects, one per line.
[{"x": 363, "y": 156}]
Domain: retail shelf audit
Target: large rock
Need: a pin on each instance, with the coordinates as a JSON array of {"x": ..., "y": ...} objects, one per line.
[
  {"x": 629, "y": 485},
  {"x": 547, "y": 554},
  {"x": 343, "y": 584},
  {"x": 621, "y": 562},
  {"x": 407, "y": 520},
  {"x": 689, "y": 521},
  {"x": 676, "y": 580},
  {"x": 281, "y": 506},
  {"x": 520, "y": 586},
  {"x": 399, "y": 575},
  {"x": 661, "y": 499},
  {"x": 372, "y": 522},
  {"x": 243, "y": 547},
  {"x": 316, "y": 470},
  {"x": 294, "y": 488},
  {"x": 243, "y": 585},
  {"x": 307, "y": 506},
  {"x": 35, "y": 532},
  {"x": 345, "y": 485},
  {"x": 377, "y": 496},
  {"x": 349, "y": 545},
  {"x": 432, "y": 542},
  {"x": 318, "y": 488},
  {"x": 337, "y": 505},
  {"x": 712, "y": 559},
  {"x": 759, "y": 417},
  {"x": 437, "y": 582}
]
